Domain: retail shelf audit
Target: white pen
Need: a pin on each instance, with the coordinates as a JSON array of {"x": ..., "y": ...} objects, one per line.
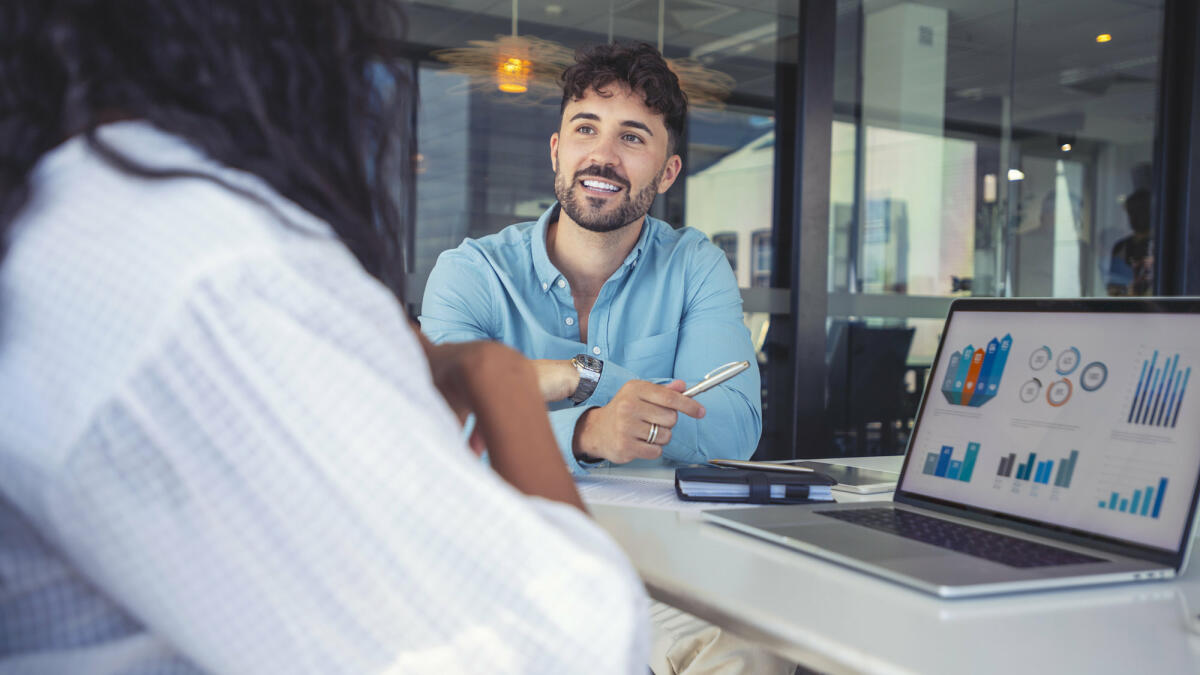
[{"x": 717, "y": 376}]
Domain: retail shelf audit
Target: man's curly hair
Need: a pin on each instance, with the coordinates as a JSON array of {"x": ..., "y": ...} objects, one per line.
[{"x": 638, "y": 66}]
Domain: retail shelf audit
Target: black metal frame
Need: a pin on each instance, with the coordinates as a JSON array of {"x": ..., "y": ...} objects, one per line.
[
  {"x": 795, "y": 403},
  {"x": 1175, "y": 214}
]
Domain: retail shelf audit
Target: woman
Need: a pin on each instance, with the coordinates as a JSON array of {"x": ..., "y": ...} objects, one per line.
[{"x": 222, "y": 447}]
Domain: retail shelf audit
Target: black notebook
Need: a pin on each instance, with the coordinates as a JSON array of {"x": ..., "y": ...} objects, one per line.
[{"x": 712, "y": 484}]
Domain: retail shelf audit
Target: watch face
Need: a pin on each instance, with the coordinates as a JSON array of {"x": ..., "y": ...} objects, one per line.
[{"x": 590, "y": 362}]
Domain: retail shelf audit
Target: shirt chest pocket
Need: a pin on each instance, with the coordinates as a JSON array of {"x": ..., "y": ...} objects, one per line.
[{"x": 653, "y": 356}]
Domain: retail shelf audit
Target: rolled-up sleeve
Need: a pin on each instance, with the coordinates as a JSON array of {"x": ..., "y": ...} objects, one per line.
[{"x": 712, "y": 334}]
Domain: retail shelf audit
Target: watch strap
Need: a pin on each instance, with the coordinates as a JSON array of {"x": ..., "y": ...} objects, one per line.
[{"x": 589, "y": 369}]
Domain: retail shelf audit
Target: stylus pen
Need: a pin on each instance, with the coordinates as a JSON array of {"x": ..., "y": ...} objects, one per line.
[{"x": 715, "y": 377}]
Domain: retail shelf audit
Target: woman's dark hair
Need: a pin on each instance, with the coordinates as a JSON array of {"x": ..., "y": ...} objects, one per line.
[
  {"x": 638, "y": 66},
  {"x": 305, "y": 94}
]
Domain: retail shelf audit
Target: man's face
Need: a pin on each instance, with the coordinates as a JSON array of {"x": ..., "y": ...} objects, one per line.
[{"x": 610, "y": 159}]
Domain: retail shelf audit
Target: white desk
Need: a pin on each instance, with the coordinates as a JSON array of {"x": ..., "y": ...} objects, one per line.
[{"x": 834, "y": 619}]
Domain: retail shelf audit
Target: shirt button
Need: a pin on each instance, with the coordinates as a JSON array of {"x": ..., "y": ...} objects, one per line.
[
  {"x": 570, "y": 321},
  {"x": 545, "y": 286},
  {"x": 596, "y": 351},
  {"x": 562, "y": 283}
]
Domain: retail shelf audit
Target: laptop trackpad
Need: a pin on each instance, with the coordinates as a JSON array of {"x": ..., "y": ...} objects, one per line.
[{"x": 855, "y": 542}]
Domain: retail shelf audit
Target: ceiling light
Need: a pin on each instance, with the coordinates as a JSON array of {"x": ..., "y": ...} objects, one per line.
[
  {"x": 989, "y": 188},
  {"x": 1066, "y": 147},
  {"x": 1016, "y": 174},
  {"x": 523, "y": 64},
  {"x": 1103, "y": 37},
  {"x": 512, "y": 75}
]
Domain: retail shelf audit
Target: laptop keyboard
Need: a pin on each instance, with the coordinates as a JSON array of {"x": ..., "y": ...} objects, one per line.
[{"x": 972, "y": 541}]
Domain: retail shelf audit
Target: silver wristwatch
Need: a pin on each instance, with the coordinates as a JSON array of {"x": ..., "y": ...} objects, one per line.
[{"x": 589, "y": 368}]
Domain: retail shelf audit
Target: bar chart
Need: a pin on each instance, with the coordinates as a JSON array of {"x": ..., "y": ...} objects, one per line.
[
  {"x": 943, "y": 465},
  {"x": 1146, "y": 502},
  {"x": 973, "y": 374},
  {"x": 1159, "y": 394},
  {"x": 1039, "y": 472}
]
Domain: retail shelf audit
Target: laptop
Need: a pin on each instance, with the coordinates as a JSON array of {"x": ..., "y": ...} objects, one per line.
[{"x": 1057, "y": 444}]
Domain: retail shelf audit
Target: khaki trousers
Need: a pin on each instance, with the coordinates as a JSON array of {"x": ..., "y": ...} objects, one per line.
[{"x": 681, "y": 644}]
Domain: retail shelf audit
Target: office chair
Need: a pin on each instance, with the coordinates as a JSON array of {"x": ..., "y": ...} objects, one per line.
[{"x": 867, "y": 366}]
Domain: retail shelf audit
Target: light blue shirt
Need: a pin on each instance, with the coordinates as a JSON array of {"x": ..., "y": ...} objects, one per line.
[{"x": 672, "y": 310}]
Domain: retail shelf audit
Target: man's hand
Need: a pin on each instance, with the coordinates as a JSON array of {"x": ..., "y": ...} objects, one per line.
[
  {"x": 619, "y": 431},
  {"x": 557, "y": 378}
]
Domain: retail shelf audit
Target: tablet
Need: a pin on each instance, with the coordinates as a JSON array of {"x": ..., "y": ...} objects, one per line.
[{"x": 854, "y": 479}]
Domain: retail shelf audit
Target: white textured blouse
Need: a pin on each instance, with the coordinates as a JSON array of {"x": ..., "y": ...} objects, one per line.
[{"x": 221, "y": 450}]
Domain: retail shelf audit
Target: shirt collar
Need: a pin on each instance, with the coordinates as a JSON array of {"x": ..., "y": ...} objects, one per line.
[{"x": 548, "y": 274}]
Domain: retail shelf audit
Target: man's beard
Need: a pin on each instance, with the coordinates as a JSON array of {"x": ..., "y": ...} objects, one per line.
[{"x": 589, "y": 212}]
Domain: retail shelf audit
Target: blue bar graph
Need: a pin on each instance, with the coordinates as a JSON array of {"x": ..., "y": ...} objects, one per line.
[
  {"x": 1024, "y": 470},
  {"x": 941, "y": 465},
  {"x": 1043, "y": 471},
  {"x": 1140, "y": 503},
  {"x": 1159, "y": 394},
  {"x": 1066, "y": 469}
]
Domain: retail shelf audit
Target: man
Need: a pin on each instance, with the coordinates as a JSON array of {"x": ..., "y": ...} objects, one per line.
[
  {"x": 1131, "y": 265},
  {"x": 619, "y": 308},
  {"x": 222, "y": 447}
]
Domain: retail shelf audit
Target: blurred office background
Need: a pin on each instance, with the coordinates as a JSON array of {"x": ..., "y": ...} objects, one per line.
[{"x": 873, "y": 160}]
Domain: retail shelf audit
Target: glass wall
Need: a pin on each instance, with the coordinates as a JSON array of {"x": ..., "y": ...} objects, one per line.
[
  {"x": 979, "y": 148},
  {"x": 484, "y": 157}
]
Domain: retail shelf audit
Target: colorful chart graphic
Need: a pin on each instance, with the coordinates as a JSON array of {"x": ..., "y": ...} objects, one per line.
[
  {"x": 1058, "y": 392},
  {"x": 1145, "y": 502},
  {"x": 1067, "y": 362},
  {"x": 1039, "y": 472},
  {"x": 1159, "y": 393},
  {"x": 941, "y": 464},
  {"x": 1094, "y": 375},
  {"x": 1039, "y": 358},
  {"x": 973, "y": 375}
]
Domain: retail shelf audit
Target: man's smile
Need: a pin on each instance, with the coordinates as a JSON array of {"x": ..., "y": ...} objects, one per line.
[{"x": 601, "y": 186}]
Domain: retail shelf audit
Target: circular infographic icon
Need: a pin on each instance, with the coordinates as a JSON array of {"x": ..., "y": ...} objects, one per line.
[
  {"x": 1094, "y": 375},
  {"x": 1039, "y": 358},
  {"x": 1030, "y": 390},
  {"x": 1059, "y": 393},
  {"x": 1067, "y": 361}
]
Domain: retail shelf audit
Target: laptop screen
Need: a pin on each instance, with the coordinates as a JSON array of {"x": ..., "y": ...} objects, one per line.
[{"x": 1088, "y": 420}]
